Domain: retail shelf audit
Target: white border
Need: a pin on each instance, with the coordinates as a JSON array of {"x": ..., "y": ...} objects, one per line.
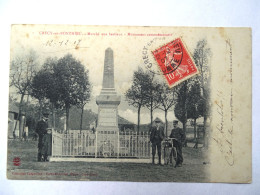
[{"x": 233, "y": 13}]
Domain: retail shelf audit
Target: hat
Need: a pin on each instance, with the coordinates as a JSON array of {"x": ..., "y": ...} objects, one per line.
[
  {"x": 175, "y": 122},
  {"x": 157, "y": 120}
]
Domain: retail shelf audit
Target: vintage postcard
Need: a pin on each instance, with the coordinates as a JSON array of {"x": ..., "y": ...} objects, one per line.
[{"x": 125, "y": 103}]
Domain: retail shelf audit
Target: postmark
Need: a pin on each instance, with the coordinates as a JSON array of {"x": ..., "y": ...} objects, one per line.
[
  {"x": 147, "y": 56},
  {"x": 175, "y": 62}
]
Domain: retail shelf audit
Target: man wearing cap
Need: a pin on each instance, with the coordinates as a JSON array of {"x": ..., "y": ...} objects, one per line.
[
  {"x": 156, "y": 137},
  {"x": 41, "y": 130},
  {"x": 179, "y": 136}
]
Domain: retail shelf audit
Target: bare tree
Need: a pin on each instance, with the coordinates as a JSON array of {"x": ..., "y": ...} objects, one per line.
[
  {"x": 153, "y": 94},
  {"x": 22, "y": 71},
  {"x": 167, "y": 100},
  {"x": 136, "y": 95}
]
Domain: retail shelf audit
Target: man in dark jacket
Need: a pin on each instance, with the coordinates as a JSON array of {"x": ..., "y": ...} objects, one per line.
[
  {"x": 156, "y": 137},
  {"x": 179, "y": 136},
  {"x": 41, "y": 130},
  {"x": 47, "y": 144}
]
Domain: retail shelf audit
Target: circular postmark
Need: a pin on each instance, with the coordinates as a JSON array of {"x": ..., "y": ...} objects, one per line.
[
  {"x": 165, "y": 59},
  {"x": 147, "y": 57}
]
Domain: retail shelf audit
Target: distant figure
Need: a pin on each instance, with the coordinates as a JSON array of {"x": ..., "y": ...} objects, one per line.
[
  {"x": 24, "y": 135},
  {"x": 14, "y": 135},
  {"x": 156, "y": 137},
  {"x": 47, "y": 142},
  {"x": 41, "y": 130},
  {"x": 179, "y": 135}
]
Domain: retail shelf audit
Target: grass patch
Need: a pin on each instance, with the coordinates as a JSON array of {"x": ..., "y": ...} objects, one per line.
[{"x": 193, "y": 169}]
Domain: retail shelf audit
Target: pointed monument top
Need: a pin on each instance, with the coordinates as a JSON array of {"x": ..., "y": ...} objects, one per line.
[
  {"x": 108, "y": 76},
  {"x": 108, "y": 93}
]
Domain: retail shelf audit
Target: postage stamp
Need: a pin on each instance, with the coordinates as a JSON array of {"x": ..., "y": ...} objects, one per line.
[{"x": 175, "y": 62}]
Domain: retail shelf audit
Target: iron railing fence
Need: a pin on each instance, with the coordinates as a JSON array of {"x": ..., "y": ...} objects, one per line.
[{"x": 108, "y": 144}]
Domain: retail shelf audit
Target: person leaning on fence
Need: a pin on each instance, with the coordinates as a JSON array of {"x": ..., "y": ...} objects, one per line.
[
  {"x": 156, "y": 137},
  {"x": 179, "y": 136},
  {"x": 46, "y": 148},
  {"x": 41, "y": 130}
]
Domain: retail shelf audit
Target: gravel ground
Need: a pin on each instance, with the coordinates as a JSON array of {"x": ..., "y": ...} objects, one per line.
[{"x": 193, "y": 169}]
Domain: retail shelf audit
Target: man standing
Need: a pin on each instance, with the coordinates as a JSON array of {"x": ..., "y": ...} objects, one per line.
[
  {"x": 47, "y": 144},
  {"x": 41, "y": 130},
  {"x": 179, "y": 136},
  {"x": 156, "y": 137}
]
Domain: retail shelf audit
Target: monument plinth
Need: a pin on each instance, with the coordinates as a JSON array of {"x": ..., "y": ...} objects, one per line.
[{"x": 108, "y": 101}]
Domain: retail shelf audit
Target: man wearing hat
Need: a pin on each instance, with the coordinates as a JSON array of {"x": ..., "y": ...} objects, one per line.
[
  {"x": 156, "y": 137},
  {"x": 179, "y": 136},
  {"x": 41, "y": 130}
]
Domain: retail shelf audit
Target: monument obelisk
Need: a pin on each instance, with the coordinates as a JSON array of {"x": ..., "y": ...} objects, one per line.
[{"x": 108, "y": 101}]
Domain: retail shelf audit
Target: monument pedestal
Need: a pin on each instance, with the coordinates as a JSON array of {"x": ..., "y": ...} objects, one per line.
[{"x": 107, "y": 128}]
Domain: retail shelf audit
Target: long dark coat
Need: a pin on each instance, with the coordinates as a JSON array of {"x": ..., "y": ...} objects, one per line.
[{"x": 47, "y": 142}]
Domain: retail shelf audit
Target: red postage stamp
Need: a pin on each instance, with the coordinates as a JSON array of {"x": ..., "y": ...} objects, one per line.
[{"x": 175, "y": 62}]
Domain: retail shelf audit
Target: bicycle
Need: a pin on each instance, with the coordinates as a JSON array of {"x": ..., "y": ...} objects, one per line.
[{"x": 170, "y": 152}]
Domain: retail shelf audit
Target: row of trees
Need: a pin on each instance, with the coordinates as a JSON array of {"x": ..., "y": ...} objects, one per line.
[
  {"x": 58, "y": 84},
  {"x": 147, "y": 92},
  {"x": 189, "y": 100}
]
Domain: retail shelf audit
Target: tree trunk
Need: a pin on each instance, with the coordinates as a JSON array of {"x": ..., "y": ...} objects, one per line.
[
  {"x": 53, "y": 115},
  {"x": 67, "y": 118},
  {"x": 205, "y": 144},
  {"x": 184, "y": 131},
  {"x": 205, "y": 116},
  {"x": 195, "y": 129},
  {"x": 19, "y": 117},
  {"x": 185, "y": 109},
  {"x": 151, "y": 113},
  {"x": 25, "y": 115},
  {"x": 166, "y": 123},
  {"x": 184, "y": 127},
  {"x": 196, "y": 139},
  {"x": 138, "y": 120},
  {"x": 40, "y": 102},
  {"x": 138, "y": 127},
  {"x": 81, "y": 118}
]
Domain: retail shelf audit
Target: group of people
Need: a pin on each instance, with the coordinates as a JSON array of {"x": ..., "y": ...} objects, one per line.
[
  {"x": 157, "y": 136},
  {"x": 45, "y": 139}
]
